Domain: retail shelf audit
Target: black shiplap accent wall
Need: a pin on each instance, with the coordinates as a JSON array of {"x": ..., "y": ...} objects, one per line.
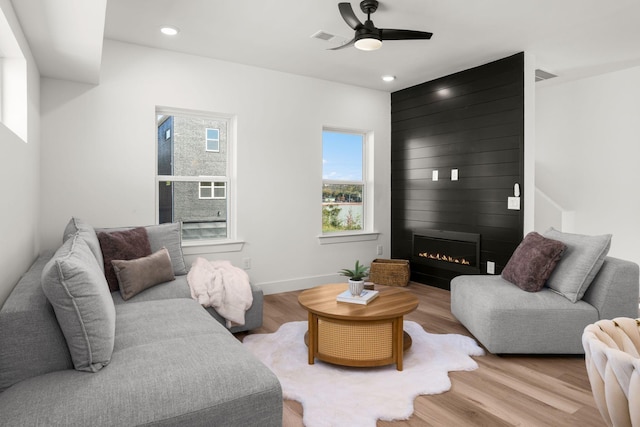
[{"x": 472, "y": 121}]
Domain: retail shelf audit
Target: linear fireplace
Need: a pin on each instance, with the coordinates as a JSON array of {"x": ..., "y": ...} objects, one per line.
[{"x": 451, "y": 250}]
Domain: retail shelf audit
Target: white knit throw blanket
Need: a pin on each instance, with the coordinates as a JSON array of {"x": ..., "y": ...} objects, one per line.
[{"x": 220, "y": 285}]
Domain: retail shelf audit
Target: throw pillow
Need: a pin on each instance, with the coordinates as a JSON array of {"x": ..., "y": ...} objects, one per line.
[
  {"x": 168, "y": 235},
  {"x": 136, "y": 275},
  {"x": 126, "y": 245},
  {"x": 89, "y": 235},
  {"x": 76, "y": 288},
  {"x": 533, "y": 262},
  {"x": 580, "y": 263}
]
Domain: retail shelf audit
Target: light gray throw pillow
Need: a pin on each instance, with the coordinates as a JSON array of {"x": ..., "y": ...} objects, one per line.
[
  {"x": 168, "y": 235},
  {"x": 579, "y": 264},
  {"x": 76, "y": 225},
  {"x": 77, "y": 289}
]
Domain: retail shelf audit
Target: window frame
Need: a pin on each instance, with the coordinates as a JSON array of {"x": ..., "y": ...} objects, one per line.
[{"x": 231, "y": 243}]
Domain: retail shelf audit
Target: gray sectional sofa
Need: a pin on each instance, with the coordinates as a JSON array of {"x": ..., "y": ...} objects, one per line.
[
  {"x": 72, "y": 354},
  {"x": 584, "y": 287}
]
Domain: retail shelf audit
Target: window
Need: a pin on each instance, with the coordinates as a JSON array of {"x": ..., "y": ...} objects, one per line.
[
  {"x": 13, "y": 81},
  {"x": 213, "y": 190},
  {"x": 213, "y": 140},
  {"x": 206, "y": 190},
  {"x": 193, "y": 186},
  {"x": 343, "y": 181}
]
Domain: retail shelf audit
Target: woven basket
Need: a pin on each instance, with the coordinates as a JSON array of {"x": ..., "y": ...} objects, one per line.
[{"x": 391, "y": 272}]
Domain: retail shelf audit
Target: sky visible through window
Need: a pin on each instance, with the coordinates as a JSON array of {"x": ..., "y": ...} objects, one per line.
[{"x": 341, "y": 156}]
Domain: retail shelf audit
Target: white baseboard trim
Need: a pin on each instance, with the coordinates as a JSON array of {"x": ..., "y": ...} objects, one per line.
[{"x": 299, "y": 283}]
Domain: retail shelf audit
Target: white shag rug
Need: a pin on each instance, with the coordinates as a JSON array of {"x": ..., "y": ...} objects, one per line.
[{"x": 341, "y": 396}]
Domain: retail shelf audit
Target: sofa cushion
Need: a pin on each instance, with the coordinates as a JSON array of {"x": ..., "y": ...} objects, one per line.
[
  {"x": 172, "y": 365},
  {"x": 505, "y": 319},
  {"x": 580, "y": 262},
  {"x": 134, "y": 276},
  {"x": 31, "y": 341},
  {"x": 75, "y": 285},
  {"x": 533, "y": 261},
  {"x": 122, "y": 245},
  {"x": 174, "y": 289},
  {"x": 76, "y": 225},
  {"x": 168, "y": 235},
  {"x": 179, "y": 288}
]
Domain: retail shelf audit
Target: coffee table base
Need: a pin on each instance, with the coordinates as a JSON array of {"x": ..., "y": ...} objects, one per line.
[{"x": 357, "y": 343}]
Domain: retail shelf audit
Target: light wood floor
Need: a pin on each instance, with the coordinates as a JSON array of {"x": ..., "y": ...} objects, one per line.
[{"x": 503, "y": 391}]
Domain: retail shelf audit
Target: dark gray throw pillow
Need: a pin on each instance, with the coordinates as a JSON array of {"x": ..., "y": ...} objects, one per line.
[{"x": 533, "y": 262}]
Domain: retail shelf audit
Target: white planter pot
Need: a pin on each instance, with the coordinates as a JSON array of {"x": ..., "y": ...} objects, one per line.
[{"x": 356, "y": 287}]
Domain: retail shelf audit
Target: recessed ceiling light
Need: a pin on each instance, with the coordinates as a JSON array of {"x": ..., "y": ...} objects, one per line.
[
  {"x": 169, "y": 30},
  {"x": 388, "y": 78}
]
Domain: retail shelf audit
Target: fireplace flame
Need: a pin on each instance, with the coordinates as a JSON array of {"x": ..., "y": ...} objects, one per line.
[{"x": 446, "y": 258}]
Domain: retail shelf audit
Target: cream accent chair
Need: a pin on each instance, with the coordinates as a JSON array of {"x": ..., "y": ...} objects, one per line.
[{"x": 612, "y": 356}]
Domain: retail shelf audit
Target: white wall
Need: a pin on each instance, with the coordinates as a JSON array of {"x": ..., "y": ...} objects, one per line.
[
  {"x": 20, "y": 177},
  {"x": 528, "y": 188},
  {"x": 99, "y": 154},
  {"x": 587, "y": 153}
]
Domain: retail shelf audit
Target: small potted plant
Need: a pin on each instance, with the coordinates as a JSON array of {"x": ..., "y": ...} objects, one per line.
[{"x": 356, "y": 277}]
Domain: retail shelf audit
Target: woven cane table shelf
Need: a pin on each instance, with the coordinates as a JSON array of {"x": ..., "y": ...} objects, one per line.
[{"x": 357, "y": 335}]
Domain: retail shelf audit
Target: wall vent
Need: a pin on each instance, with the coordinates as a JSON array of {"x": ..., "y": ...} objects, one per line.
[{"x": 543, "y": 75}]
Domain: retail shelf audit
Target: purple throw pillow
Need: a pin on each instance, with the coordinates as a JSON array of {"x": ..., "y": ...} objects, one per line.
[
  {"x": 122, "y": 245},
  {"x": 533, "y": 261}
]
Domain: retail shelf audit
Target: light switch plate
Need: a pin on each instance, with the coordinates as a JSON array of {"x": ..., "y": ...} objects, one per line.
[
  {"x": 434, "y": 176},
  {"x": 491, "y": 267},
  {"x": 454, "y": 174},
  {"x": 513, "y": 203}
]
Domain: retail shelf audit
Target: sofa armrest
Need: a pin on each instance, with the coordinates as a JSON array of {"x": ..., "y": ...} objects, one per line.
[
  {"x": 253, "y": 316},
  {"x": 614, "y": 291}
]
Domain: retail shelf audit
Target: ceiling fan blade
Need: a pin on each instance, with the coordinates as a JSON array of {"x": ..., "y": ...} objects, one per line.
[
  {"x": 388, "y": 34},
  {"x": 344, "y": 45},
  {"x": 349, "y": 16}
]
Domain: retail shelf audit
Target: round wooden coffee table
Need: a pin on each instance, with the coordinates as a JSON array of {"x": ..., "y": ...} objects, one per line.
[{"x": 357, "y": 335}]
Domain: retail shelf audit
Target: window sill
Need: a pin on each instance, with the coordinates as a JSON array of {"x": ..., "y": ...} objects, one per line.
[
  {"x": 211, "y": 246},
  {"x": 347, "y": 237}
]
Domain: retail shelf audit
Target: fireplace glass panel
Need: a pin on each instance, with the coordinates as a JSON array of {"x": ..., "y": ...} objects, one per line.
[
  {"x": 448, "y": 253},
  {"x": 447, "y": 250}
]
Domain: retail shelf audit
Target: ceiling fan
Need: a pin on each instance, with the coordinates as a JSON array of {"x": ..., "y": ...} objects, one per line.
[{"x": 367, "y": 36}]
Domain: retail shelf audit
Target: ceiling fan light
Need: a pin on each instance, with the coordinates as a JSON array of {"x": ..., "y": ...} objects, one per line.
[{"x": 368, "y": 44}]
